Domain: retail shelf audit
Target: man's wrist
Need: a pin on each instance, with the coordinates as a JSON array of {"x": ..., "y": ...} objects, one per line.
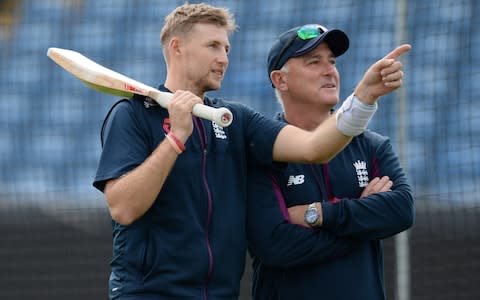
[
  {"x": 313, "y": 215},
  {"x": 364, "y": 96},
  {"x": 353, "y": 116},
  {"x": 320, "y": 214}
]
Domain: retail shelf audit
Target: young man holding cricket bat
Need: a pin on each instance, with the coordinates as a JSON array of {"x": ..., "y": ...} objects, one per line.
[{"x": 175, "y": 184}]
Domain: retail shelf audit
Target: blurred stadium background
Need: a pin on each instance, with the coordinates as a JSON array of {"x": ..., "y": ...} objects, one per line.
[{"x": 54, "y": 227}]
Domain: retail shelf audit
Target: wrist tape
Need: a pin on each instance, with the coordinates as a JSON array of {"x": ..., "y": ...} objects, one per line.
[{"x": 353, "y": 116}]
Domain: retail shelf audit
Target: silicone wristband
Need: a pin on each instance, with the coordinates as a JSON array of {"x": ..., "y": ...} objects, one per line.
[
  {"x": 177, "y": 141},
  {"x": 173, "y": 144}
]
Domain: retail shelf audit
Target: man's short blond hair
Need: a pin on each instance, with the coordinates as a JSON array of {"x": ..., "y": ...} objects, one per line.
[{"x": 183, "y": 18}]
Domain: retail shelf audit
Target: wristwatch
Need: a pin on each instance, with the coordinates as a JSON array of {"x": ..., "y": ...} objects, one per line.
[{"x": 312, "y": 216}]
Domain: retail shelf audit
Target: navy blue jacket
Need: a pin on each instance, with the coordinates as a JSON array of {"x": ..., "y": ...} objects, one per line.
[
  {"x": 191, "y": 243},
  {"x": 343, "y": 258}
]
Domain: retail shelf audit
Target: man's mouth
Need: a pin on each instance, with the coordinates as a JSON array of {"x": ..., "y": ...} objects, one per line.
[
  {"x": 329, "y": 85},
  {"x": 219, "y": 73}
]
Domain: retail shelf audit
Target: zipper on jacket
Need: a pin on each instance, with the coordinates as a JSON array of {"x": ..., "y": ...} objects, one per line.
[
  {"x": 327, "y": 194},
  {"x": 203, "y": 141},
  {"x": 318, "y": 181}
]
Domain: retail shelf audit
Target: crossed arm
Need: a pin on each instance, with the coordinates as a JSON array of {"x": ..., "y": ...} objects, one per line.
[
  {"x": 281, "y": 238},
  {"x": 277, "y": 241}
]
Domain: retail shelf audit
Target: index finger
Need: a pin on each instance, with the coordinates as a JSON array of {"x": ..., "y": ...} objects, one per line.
[{"x": 399, "y": 51}]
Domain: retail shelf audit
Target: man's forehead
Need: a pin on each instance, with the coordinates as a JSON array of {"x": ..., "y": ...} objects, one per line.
[{"x": 210, "y": 31}]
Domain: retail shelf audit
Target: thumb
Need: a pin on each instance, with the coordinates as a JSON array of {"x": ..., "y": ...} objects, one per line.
[{"x": 399, "y": 51}]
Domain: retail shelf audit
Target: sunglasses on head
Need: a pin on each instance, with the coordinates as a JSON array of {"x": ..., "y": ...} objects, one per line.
[{"x": 306, "y": 32}]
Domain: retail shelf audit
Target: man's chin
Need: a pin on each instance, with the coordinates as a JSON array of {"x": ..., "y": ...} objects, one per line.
[
  {"x": 332, "y": 98},
  {"x": 213, "y": 87}
]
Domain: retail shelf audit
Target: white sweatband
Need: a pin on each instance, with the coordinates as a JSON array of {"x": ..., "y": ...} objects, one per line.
[{"x": 353, "y": 116}]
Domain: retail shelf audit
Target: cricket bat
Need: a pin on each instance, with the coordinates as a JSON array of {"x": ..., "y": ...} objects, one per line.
[{"x": 108, "y": 81}]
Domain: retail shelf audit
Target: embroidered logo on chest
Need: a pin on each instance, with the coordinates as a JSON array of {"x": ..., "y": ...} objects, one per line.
[
  {"x": 362, "y": 173},
  {"x": 149, "y": 102},
  {"x": 218, "y": 131}
]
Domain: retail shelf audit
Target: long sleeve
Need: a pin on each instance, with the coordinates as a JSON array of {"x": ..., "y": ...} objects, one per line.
[
  {"x": 379, "y": 215},
  {"x": 277, "y": 242}
]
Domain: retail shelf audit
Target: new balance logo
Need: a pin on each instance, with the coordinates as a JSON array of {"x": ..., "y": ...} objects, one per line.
[{"x": 298, "y": 179}]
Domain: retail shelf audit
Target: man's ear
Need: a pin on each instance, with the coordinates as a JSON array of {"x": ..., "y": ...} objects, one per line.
[
  {"x": 278, "y": 79},
  {"x": 174, "y": 46}
]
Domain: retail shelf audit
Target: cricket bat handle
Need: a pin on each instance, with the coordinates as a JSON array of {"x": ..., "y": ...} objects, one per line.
[{"x": 221, "y": 116}]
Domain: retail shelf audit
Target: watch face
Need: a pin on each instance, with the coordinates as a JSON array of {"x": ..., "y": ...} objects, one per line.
[{"x": 311, "y": 216}]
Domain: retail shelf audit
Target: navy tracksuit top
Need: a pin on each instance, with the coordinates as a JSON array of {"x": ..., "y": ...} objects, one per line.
[
  {"x": 191, "y": 243},
  {"x": 343, "y": 258}
]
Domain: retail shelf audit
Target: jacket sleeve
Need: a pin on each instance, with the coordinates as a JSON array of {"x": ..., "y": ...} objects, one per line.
[
  {"x": 276, "y": 241},
  {"x": 379, "y": 215}
]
